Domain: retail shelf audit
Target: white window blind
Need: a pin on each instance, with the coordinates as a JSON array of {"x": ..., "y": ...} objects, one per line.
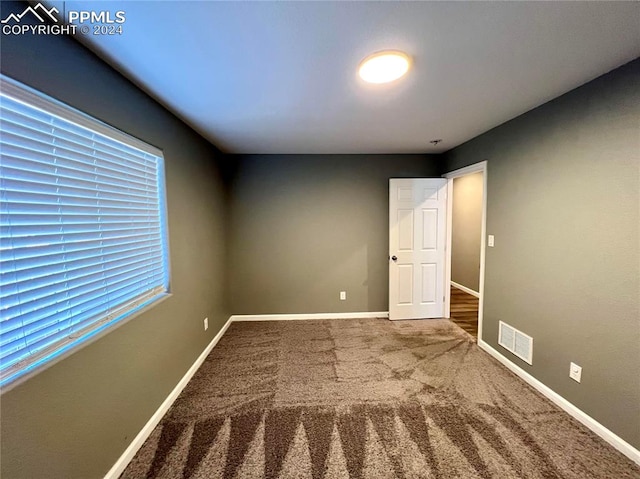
[{"x": 82, "y": 227}]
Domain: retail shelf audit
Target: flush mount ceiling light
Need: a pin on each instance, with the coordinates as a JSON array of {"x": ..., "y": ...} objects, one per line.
[{"x": 384, "y": 67}]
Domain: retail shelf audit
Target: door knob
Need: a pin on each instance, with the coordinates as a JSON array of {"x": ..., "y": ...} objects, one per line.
[{"x": 394, "y": 258}]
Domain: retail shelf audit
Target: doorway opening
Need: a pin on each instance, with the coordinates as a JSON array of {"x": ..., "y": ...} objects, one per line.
[{"x": 465, "y": 258}]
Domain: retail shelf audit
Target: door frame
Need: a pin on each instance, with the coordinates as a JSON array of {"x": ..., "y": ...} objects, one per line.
[{"x": 467, "y": 170}]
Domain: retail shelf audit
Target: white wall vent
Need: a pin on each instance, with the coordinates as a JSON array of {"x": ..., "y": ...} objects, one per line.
[{"x": 516, "y": 342}]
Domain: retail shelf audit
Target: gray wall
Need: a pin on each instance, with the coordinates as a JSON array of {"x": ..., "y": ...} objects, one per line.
[
  {"x": 466, "y": 230},
  {"x": 74, "y": 419},
  {"x": 305, "y": 227},
  {"x": 563, "y": 203}
]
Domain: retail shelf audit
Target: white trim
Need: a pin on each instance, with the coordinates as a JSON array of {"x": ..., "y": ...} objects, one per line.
[
  {"x": 475, "y": 168},
  {"x": 301, "y": 317},
  {"x": 467, "y": 170},
  {"x": 483, "y": 246},
  {"x": 610, "y": 437},
  {"x": 447, "y": 250},
  {"x": 148, "y": 428},
  {"x": 465, "y": 289}
]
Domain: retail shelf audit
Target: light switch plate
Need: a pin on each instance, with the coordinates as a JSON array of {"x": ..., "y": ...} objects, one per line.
[
  {"x": 491, "y": 241},
  {"x": 575, "y": 372}
]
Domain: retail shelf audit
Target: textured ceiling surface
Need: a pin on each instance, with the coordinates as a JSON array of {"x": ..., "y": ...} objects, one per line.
[{"x": 281, "y": 77}]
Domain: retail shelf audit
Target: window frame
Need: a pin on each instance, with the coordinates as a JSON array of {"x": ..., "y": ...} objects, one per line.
[{"x": 123, "y": 312}]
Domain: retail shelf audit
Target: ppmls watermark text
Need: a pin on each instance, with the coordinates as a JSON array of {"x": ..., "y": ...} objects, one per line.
[
  {"x": 39, "y": 29},
  {"x": 49, "y": 21}
]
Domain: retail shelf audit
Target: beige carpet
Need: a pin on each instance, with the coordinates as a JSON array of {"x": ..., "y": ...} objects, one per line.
[{"x": 369, "y": 398}]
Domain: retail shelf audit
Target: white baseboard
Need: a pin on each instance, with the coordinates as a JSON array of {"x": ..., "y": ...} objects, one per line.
[
  {"x": 612, "y": 438},
  {"x": 465, "y": 289},
  {"x": 148, "y": 428},
  {"x": 299, "y": 317}
]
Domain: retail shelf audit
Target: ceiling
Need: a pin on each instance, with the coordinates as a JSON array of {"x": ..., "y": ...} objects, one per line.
[{"x": 281, "y": 77}]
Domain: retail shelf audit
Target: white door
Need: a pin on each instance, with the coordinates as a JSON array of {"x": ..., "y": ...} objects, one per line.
[{"x": 417, "y": 223}]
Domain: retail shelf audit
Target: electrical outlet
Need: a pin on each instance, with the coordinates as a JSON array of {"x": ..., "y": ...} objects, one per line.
[
  {"x": 206, "y": 323},
  {"x": 343, "y": 295},
  {"x": 575, "y": 372},
  {"x": 491, "y": 241}
]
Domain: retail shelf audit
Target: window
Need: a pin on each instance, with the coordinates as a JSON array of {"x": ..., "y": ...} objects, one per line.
[{"x": 82, "y": 228}]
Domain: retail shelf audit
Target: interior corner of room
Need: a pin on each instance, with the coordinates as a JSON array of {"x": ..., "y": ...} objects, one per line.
[{"x": 284, "y": 234}]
